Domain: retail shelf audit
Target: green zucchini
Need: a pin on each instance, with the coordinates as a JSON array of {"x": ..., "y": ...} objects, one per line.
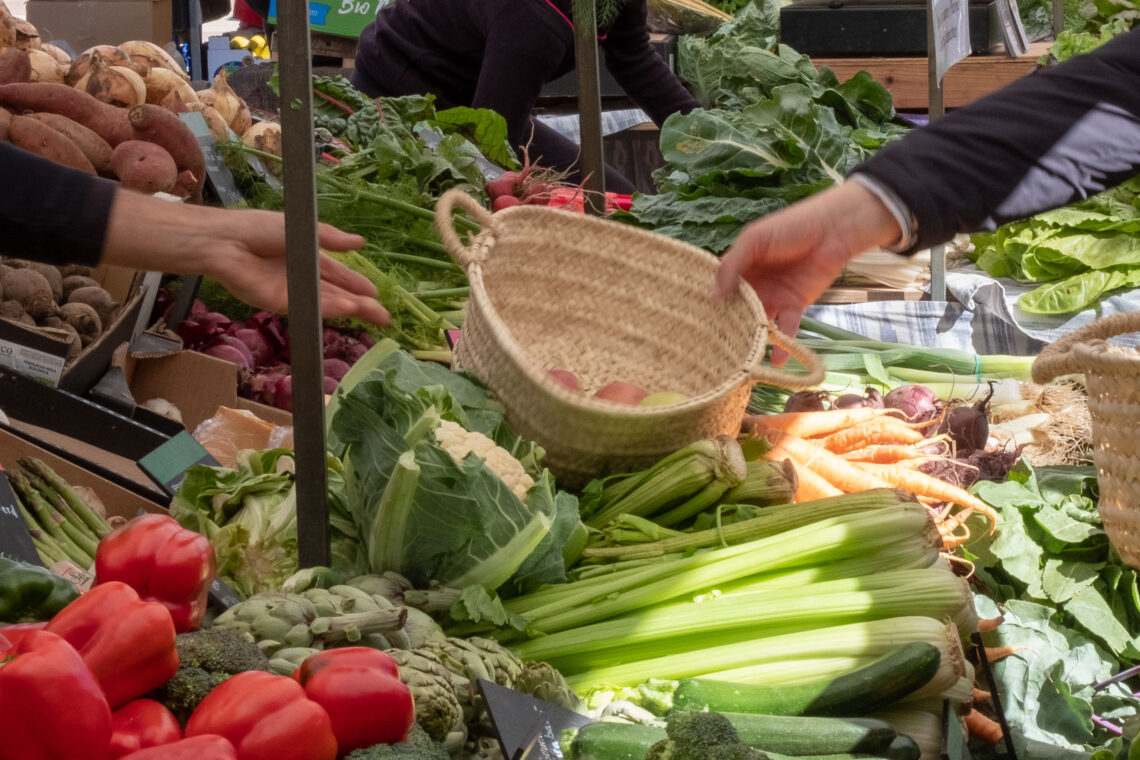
[
  {"x": 860, "y": 692},
  {"x": 613, "y": 741},
  {"x": 798, "y": 736}
]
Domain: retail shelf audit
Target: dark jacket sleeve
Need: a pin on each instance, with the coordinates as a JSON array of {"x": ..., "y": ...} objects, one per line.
[
  {"x": 516, "y": 66},
  {"x": 1047, "y": 140},
  {"x": 640, "y": 71},
  {"x": 51, "y": 213}
]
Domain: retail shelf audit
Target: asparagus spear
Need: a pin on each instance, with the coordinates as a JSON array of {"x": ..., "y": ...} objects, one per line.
[
  {"x": 49, "y": 553},
  {"x": 60, "y": 504},
  {"x": 52, "y": 521},
  {"x": 96, "y": 523}
]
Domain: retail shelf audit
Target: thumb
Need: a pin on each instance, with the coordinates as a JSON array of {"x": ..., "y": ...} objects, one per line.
[{"x": 728, "y": 274}]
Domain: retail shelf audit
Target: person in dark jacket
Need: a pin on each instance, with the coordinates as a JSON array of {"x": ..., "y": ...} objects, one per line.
[
  {"x": 58, "y": 215},
  {"x": 498, "y": 54},
  {"x": 1049, "y": 139}
]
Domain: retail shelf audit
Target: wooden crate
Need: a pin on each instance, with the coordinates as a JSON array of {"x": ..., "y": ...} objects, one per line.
[{"x": 968, "y": 80}]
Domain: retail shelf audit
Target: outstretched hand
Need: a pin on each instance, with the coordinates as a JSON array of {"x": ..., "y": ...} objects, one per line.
[
  {"x": 792, "y": 256},
  {"x": 244, "y": 250}
]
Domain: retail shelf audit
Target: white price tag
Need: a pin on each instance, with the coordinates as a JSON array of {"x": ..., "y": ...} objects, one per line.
[
  {"x": 28, "y": 361},
  {"x": 951, "y": 34}
]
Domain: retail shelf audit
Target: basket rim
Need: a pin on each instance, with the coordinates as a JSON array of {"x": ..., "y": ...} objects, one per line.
[{"x": 581, "y": 401}]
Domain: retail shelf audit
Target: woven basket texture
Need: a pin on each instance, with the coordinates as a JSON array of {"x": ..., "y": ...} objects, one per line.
[
  {"x": 551, "y": 289},
  {"x": 1112, "y": 377}
]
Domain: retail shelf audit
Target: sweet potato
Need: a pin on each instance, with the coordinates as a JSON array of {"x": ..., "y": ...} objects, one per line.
[
  {"x": 144, "y": 166},
  {"x": 5, "y": 123},
  {"x": 37, "y": 137},
  {"x": 15, "y": 65},
  {"x": 96, "y": 149},
  {"x": 7, "y": 27},
  {"x": 161, "y": 127},
  {"x": 107, "y": 121}
]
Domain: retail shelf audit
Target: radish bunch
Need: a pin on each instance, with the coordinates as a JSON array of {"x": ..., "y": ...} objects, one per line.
[{"x": 534, "y": 186}]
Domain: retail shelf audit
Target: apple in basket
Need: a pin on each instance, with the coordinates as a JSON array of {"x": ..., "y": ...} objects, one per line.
[
  {"x": 621, "y": 393},
  {"x": 564, "y": 377}
]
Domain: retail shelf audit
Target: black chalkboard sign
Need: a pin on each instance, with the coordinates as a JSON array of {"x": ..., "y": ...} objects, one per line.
[
  {"x": 528, "y": 728},
  {"x": 15, "y": 540},
  {"x": 218, "y": 176},
  {"x": 222, "y": 597}
]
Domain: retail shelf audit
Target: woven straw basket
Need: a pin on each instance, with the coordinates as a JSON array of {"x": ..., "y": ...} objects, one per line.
[
  {"x": 1112, "y": 375},
  {"x": 552, "y": 289}
]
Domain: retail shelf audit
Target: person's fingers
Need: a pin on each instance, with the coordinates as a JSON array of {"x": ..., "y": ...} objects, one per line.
[
  {"x": 336, "y": 273},
  {"x": 337, "y": 303},
  {"x": 787, "y": 322},
  {"x": 337, "y": 240},
  {"x": 729, "y": 272}
]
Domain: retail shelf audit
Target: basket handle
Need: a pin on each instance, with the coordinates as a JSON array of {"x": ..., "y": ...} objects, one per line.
[
  {"x": 1058, "y": 359},
  {"x": 797, "y": 351},
  {"x": 445, "y": 223}
]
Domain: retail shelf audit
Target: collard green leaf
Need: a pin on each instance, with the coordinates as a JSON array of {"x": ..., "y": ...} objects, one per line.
[
  {"x": 486, "y": 129},
  {"x": 1065, "y": 524},
  {"x": 703, "y": 143},
  {"x": 1093, "y": 614},
  {"x": 710, "y": 222},
  {"x": 1061, "y": 580}
]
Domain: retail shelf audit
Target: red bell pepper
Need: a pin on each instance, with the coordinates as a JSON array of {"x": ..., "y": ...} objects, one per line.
[
  {"x": 360, "y": 689},
  {"x": 127, "y": 643},
  {"x": 205, "y": 747},
  {"x": 141, "y": 724},
  {"x": 51, "y": 707},
  {"x": 265, "y": 717},
  {"x": 162, "y": 561}
]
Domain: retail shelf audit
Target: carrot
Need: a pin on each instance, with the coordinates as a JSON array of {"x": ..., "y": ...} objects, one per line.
[
  {"x": 885, "y": 453},
  {"x": 985, "y": 625},
  {"x": 984, "y": 728},
  {"x": 815, "y": 424},
  {"x": 810, "y": 486},
  {"x": 884, "y": 430},
  {"x": 978, "y": 695},
  {"x": 834, "y": 469},
  {"x": 920, "y": 484},
  {"x": 993, "y": 654}
]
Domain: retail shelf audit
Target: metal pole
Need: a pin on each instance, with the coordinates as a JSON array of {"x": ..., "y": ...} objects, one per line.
[
  {"x": 1058, "y": 17},
  {"x": 936, "y": 109},
  {"x": 305, "y": 352},
  {"x": 590, "y": 105},
  {"x": 194, "y": 48}
]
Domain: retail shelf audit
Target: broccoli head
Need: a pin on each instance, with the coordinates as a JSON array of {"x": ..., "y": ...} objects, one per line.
[
  {"x": 205, "y": 659},
  {"x": 419, "y": 746},
  {"x": 701, "y": 736}
]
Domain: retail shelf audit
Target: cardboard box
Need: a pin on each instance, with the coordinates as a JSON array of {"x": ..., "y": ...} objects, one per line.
[
  {"x": 85, "y": 23},
  {"x": 119, "y": 501},
  {"x": 344, "y": 18},
  {"x": 195, "y": 383},
  {"x": 40, "y": 352}
]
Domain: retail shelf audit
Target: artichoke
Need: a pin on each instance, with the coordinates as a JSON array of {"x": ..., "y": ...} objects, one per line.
[
  {"x": 542, "y": 681},
  {"x": 389, "y": 585},
  {"x": 477, "y": 658},
  {"x": 438, "y": 694},
  {"x": 276, "y": 621},
  {"x": 286, "y": 661}
]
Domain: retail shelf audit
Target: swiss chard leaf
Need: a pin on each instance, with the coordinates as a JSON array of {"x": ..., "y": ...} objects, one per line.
[{"x": 486, "y": 129}]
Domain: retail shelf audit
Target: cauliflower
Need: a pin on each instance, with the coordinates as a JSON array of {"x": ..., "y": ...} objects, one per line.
[{"x": 459, "y": 442}]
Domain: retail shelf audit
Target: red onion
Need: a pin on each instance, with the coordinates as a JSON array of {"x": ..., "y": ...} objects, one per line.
[
  {"x": 283, "y": 393},
  {"x": 354, "y": 351},
  {"x": 335, "y": 368},
  {"x": 330, "y": 385},
  {"x": 256, "y": 343},
  {"x": 849, "y": 401},
  {"x": 806, "y": 401},
  {"x": 230, "y": 353},
  {"x": 917, "y": 402}
]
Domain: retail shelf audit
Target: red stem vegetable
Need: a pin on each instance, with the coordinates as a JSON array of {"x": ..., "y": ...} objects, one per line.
[
  {"x": 205, "y": 747},
  {"x": 141, "y": 724},
  {"x": 164, "y": 563},
  {"x": 360, "y": 688},
  {"x": 51, "y": 707},
  {"x": 127, "y": 643},
  {"x": 265, "y": 717}
]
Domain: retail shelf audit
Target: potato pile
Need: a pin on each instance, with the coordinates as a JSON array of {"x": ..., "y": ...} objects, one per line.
[
  {"x": 112, "y": 110},
  {"x": 63, "y": 299}
]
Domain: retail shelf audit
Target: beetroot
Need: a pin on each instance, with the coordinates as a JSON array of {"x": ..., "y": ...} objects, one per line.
[
  {"x": 806, "y": 401},
  {"x": 849, "y": 401},
  {"x": 917, "y": 402}
]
